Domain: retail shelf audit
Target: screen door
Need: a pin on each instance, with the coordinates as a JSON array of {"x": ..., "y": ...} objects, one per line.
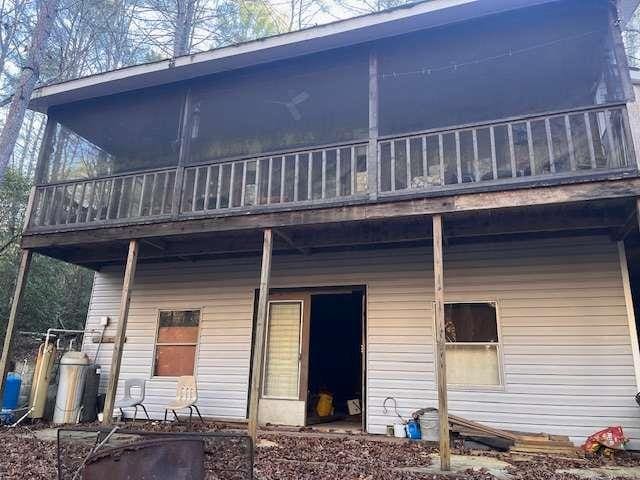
[{"x": 284, "y": 386}]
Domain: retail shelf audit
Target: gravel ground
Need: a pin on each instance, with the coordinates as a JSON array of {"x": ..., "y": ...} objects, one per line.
[{"x": 284, "y": 456}]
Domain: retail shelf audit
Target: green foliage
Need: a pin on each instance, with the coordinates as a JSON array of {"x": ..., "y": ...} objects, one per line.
[{"x": 57, "y": 293}]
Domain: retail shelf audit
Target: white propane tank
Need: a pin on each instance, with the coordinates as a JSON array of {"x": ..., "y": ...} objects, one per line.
[{"x": 73, "y": 370}]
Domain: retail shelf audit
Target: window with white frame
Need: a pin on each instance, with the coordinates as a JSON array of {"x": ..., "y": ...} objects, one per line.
[
  {"x": 176, "y": 343},
  {"x": 472, "y": 344}
]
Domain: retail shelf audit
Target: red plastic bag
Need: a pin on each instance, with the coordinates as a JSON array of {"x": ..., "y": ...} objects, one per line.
[{"x": 611, "y": 437}]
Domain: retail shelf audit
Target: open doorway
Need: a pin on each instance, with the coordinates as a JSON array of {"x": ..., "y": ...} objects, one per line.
[{"x": 335, "y": 375}]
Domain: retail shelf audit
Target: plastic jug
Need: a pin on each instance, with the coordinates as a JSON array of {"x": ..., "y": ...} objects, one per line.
[{"x": 324, "y": 407}]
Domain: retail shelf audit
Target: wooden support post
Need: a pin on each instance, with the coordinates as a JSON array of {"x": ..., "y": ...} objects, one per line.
[
  {"x": 441, "y": 365},
  {"x": 21, "y": 282},
  {"x": 259, "y": 336},
  {"x": 116, "y": 358},
  {"x": 372, "y": 148}
]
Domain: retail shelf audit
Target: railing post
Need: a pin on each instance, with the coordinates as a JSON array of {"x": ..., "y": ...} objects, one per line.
[{"x": 372, "y": 150}]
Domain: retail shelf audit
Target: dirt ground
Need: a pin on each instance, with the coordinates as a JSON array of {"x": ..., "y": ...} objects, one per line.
[{"x": 294, "y": 455}]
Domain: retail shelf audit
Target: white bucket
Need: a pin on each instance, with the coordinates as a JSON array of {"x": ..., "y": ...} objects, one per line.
[
  {"x": 399, "y": 431},
  {"x": 430, "y": 426}
]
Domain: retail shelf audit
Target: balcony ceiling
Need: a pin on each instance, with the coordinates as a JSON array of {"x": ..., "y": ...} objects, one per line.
[{"x": 358, "y": 30}]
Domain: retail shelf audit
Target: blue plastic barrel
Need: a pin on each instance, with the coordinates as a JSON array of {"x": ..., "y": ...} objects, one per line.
[
  {"x": 11, "y": 391},
  {"x": 413, "y": 430}
]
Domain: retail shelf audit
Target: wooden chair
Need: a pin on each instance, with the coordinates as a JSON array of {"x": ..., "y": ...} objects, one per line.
[{"x": 186, "y": 397}]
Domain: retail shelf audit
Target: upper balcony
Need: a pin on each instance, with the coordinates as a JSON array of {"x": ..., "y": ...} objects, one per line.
[
  {"x": 535, "y": 96},
  {"x": 572, "y": 145}
]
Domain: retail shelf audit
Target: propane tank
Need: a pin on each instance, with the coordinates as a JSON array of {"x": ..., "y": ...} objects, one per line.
[
  {"x": 41, "y": 377},
  {"x": 73, "y": 370}
]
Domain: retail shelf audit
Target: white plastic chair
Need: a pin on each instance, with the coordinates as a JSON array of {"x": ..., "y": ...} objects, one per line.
[
  {"x": 129, "y": 400},
  {"x": 186, "y": 397}
]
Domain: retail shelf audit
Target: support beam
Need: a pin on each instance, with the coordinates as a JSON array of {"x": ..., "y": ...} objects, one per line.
[
  {"x": 116, "y": 359},
  {"x": 441, "y": 365},
  {"x": 259, "y": 335},
  {"x": 288, "y": 240},
  {"x": 631, "y": 318},
  {"x": 411, "y": 207},
  {"x": 372, "y": 148},
  {"x": 21, "y": 282}
]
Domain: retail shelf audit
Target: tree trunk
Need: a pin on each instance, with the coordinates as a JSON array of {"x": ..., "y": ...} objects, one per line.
[
  {"x": 184, "y": 26},
  {"x": 27, "y": 82}
]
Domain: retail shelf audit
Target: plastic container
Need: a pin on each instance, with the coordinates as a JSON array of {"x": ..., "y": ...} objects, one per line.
[
  {"x": 324, "y": 407},
  {"x": 399, "y": 431},
  {"x": 11, "y": 391},
  {"x": 413, "y": 430},
  {"x": 430, "y": 426},
  {"x": 73, "y": 371}
]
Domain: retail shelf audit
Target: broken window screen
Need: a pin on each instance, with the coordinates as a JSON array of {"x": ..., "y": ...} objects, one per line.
[
  {"x": 472, "y": 346},
  {"x": 116, "y": 134},
  {"x": 553, "y": 57},
  {"x": 316, "y": 100},
  {"x": 176, "y": 343}
]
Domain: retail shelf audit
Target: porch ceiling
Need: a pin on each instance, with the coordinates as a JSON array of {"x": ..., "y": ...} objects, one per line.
[{"x": 615, "y": 217}]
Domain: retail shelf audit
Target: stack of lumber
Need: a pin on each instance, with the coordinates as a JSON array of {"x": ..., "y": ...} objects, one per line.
[{"x": 523, "y": 443}]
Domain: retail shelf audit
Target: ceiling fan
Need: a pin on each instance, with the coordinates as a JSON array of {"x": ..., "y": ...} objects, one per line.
[{"x": 292, "y": 105}]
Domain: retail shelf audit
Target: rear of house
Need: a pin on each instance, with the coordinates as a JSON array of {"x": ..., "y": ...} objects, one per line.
[
  {"x": 554, "y": 353},
  {"x": 276, "y": 211}
]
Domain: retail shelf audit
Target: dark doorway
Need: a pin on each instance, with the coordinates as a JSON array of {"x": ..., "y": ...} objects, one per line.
[{"x": 335, "y": 358}]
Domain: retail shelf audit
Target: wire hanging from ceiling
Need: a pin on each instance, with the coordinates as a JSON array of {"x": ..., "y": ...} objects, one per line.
[{"x": 492, "y": 58}]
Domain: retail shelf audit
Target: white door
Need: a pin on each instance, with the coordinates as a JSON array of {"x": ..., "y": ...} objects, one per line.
[{"x": 284, "y": 381}]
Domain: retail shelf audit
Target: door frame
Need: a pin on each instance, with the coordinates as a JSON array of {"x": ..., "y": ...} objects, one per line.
[{"x": 297, "y": 293}]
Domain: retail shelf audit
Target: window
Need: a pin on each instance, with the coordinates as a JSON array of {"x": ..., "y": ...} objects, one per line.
[
  {"x": 472, "y": 344},
  {"x": 176, "y": 343},
  {"x": 282, "y": 358}
]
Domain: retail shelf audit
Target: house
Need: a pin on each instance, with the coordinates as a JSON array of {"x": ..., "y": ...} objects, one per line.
[{"x": 442, "y": 190}]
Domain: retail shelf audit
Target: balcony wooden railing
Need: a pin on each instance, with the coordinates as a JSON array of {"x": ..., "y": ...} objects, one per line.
[
  {"x": 312, "y": 176},
  {"x": 566, "y": 144}
]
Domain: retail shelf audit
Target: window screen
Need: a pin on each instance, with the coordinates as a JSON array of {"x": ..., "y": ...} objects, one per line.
[
  {"x": 282, "y": 362},
  {"x": 117, "y": 134},
  {"x": 176, "y": 343},
  {"x": 548, "y": 58},
  {"x": 472, "y": 345},
  {"x": 317, "y": 100}
]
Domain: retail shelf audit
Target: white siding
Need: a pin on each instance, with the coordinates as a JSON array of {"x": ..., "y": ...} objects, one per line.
[{"x": 568, "y": 365}]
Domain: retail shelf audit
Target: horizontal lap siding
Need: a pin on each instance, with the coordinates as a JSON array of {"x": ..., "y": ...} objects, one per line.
[{"x": 568, "y": 367}]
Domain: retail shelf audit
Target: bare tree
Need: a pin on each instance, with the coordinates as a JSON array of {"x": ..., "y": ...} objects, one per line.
[{"x": 27, "y": 81}]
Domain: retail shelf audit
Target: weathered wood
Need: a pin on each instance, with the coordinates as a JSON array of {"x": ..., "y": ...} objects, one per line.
[
  {"x": 441, "y": 365},
  {"x": 18, "y": 292},
  {"x": 116, "y": 359},
  {"x": 593, "y": 216},
  {"x": 631, "y": 318},
  {"x": 347, "y": 211},
  {"x": 372, "y": 149},
  {"x": 259, "y": 335}
]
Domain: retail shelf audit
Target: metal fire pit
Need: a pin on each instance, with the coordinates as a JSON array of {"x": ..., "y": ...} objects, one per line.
[
  {"x": 95, "y": 454},
  {"x": 171, "y": 459}
]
